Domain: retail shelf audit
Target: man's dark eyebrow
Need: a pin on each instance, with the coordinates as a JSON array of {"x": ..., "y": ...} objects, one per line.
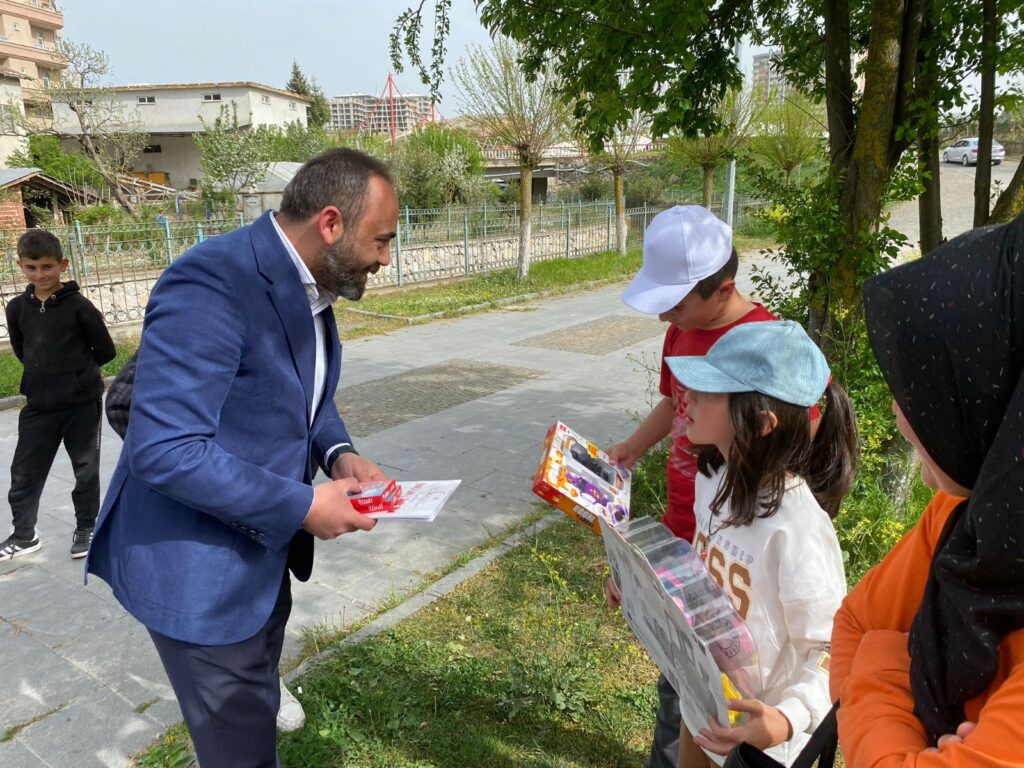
[{"x": 387, "y": 236}]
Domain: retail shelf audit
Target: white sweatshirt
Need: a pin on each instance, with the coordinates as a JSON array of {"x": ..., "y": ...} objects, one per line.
[{"x": 784, "y": 574}]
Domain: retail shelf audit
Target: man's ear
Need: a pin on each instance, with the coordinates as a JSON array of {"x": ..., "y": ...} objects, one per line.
[
  {"x": 329, "y": 224},
  {"x": 769, "y": 421}
]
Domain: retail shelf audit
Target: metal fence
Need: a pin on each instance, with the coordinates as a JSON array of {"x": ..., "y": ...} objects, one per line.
[{"x": 117, "y": 265}]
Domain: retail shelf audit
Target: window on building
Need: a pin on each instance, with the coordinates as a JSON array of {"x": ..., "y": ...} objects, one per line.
[
  {"x": 147, "y": 99},
  {"x": 8, "y": 122},
  {"x": 265, "y": 99},
  {"x": 40, "y": 42},
  {"x": 17, "y": 27},
  {"x": 151, "y": 149},
  {"x": 211, "y": 97},
  {"x": 291, "y": 105}
]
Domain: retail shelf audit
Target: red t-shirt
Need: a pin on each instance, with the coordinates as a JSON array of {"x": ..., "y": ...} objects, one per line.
[{"x": 682, "y": 465}]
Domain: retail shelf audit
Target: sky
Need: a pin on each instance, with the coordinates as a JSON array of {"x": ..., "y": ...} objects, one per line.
[{"x": 341, "y": 43}]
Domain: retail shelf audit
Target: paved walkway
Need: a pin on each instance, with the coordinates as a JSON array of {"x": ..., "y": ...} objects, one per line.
[{"x": 469, "y": 398}]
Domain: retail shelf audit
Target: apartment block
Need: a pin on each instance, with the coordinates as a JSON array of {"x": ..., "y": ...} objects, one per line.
[
  {"x": 767, "y": 79},
  {"x": 30, "y": 31},
  {"x": 372, "y": 114}
]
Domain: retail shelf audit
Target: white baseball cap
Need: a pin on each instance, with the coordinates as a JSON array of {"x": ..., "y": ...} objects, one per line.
[{"x": 682, "y": 246}]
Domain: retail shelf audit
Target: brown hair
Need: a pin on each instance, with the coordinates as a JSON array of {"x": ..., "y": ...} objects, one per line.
[
  {"x": 39, "y": 244},
  {"x": 757, "y": 472},
  {"x": 711, "y": 283}
]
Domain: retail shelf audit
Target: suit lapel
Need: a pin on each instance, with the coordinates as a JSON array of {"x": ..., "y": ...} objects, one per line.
[{"x": 289, "y": 300}]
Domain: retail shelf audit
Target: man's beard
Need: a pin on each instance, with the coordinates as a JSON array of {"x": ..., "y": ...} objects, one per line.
[{"x": 340, "y": 271}]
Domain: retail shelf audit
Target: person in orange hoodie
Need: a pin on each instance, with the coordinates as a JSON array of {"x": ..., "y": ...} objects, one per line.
[{"x": 928, "y": 649}]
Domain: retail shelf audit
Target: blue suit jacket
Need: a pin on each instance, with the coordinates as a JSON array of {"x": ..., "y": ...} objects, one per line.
[{"x": 205, "y": 507}]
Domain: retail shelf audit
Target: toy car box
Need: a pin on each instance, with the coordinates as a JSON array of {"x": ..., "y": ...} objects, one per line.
[
  {"x": 377, "y": 496},
  {"x": 575, "y": 476}
]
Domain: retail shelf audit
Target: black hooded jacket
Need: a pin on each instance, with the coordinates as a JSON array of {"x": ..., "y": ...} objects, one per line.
[{"x": 62, "y": 344}]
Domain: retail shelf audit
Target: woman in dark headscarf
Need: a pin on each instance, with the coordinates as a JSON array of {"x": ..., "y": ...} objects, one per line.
[{"x": 928, "y": 650}]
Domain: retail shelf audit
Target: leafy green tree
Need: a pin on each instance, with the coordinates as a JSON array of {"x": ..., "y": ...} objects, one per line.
[
  {"x": 435, "y": 166},
  {"x": 674, "y": 59},
  {"x": 710, "y": 150},
  {"x": 232, "y": 157},
  {"x": 318, "y": 114},
  {"x": 294, "y": 143},
  {"x": 109, "y": 136},
  {"x": 48, "y": 154},
  {"x": 618, "y": 151},
  {"x": 789, "y": 132},
  {"x": 525, "y": 113}
]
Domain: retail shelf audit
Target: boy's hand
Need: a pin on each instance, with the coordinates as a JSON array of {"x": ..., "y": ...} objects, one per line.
[
  {"x": 624, "y": 453},
  {"x": 612, "y": 595},
  {"x": 765, "y": 728},
  {"x": 962, "y": 732}
]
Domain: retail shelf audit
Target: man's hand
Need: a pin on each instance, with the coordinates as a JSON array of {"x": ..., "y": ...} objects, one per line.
[
  {"x": 765, "y": 728},
  {"x": 355, "y": 466},
  {"x": 612, "y": 595},
  {"x": 331, "y": 513},
  {"x": 624, "y": 453}
]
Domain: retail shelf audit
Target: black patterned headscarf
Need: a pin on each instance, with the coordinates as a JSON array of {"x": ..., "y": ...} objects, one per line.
[{"x": 948, "y": 332}]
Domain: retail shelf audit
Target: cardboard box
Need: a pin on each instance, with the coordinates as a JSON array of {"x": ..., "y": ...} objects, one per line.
[{"x": 577, "y": 477}]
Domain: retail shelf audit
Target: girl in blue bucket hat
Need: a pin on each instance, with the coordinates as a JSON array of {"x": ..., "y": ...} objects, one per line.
[{"x": 765, "y": 495}]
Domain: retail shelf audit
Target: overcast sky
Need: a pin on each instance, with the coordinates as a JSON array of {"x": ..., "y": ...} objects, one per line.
[{"x": 342, "y": 43}]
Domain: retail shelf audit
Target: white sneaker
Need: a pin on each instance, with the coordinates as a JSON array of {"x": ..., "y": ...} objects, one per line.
[{"x": 290, "y": 716}]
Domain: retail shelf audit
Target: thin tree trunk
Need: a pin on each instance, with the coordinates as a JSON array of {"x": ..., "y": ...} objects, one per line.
[
  {"x": 1011, "y": 202},
  {"x": 986, "y": 119},
  {"x": 838, "y": 83},
  {"x": 525, "y": 224},
  {"x": 709, "y": 185},
  {"x": 620, "y": 210},
  {"x": 929, "y": 204}
]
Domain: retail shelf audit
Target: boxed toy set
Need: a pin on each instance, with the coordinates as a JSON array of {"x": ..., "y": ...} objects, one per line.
[
  {"x": 377, "y": 496},
  {"x": 578, "y": 478}
]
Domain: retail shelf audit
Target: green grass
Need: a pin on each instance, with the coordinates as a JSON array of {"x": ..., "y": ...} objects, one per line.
[
  {"x": 11, "y": 368},
  {"x": 522, "y": 665},
  {"x": 554, "y": 275}
]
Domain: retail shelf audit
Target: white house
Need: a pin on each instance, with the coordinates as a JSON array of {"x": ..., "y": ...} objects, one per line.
[{"x": 172, "y": 114}]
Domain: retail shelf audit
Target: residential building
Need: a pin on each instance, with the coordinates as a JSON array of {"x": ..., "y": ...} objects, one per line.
[
  {"x": 12, "y": 135},
  {"x": 172, "y": 114},
  {"x": 30, "y": 31},
  {"x": 767, "y": 79},
  {"x": 363, "y": 112}
]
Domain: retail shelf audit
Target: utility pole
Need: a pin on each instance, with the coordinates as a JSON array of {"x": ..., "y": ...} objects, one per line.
[{"x": 730, "y": 181}]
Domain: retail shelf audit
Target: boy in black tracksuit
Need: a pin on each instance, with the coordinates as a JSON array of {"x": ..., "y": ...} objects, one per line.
[{"x": 61, "y": 339}]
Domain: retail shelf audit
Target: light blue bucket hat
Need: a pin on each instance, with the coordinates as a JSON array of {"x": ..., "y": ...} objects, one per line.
[{"x": 776, "y": 358}]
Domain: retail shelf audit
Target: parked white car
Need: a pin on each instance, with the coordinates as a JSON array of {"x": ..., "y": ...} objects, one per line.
[{"x": 965, "y": 152}]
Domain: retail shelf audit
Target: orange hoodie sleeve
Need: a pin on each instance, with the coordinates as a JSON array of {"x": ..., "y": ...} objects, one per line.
[{"x": 870, "y": 670}]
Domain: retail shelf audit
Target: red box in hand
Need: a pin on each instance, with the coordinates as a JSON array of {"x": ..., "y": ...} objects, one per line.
[{"x": 377, "y": 496}]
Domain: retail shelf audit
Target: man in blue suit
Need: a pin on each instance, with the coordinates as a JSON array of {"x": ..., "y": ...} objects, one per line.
[{"x": 233, "y": 412}]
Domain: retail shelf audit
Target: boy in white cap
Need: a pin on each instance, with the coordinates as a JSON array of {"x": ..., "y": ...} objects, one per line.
[{"x": 688, "y": 279}]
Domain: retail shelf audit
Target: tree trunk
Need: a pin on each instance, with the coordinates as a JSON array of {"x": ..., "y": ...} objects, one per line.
[
  {"x": 986, "y": 118},
  {"x": 525, "y": 223},
  {"x": 1011, "y": 202},
  {"x": 838, "y": 83},
  {"x": 709, "y": 185},
  {"x": 620, "y": 210},
  {"x": 929, "y": 204},
  {"x": 860, "y": 201}
]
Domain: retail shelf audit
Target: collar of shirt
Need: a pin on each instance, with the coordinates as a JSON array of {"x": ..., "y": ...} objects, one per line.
[{"x": 319, "y": 298}]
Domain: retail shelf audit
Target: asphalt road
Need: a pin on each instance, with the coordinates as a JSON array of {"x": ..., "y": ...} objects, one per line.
[{"x": 957, "y": 185}]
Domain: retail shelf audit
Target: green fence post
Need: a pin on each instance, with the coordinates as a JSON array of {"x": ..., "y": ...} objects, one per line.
[
  {"x": 449, "y": 210},
  {"x": 465, "y": 239},
  {"x": 167, "y": 240},
  {"x": 540, "y": 217},
  {"x": 199, "y": 233},
  {"x": 568, "y": 236},
  {"x": 608, "y": 236},
  {"x": 72, "y": 250},
  {"x": 408, "y": 230},
  {"x": 83, "y": 264},
  {"x": 398, "y": 255},
  {"x": 241, "y": 220},
  {"x": 645, "y": 217}
]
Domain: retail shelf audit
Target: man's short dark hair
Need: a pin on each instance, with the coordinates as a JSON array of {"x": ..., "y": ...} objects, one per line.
[
  {"x": 39, "y": 244},
  {"x": 706, "y": 287},
  {"x": 338, "y": 177}
]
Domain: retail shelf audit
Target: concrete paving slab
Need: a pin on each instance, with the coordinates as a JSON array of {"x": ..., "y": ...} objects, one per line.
[{"x": 14, "y": 754}]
